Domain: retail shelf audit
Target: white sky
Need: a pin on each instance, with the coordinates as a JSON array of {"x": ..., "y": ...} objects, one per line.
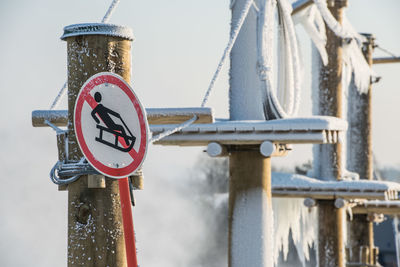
[{"x": 177, "y": 48}]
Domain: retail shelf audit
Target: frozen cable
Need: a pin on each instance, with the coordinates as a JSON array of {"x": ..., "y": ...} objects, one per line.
[
  {"x": 293, "y": 106},
  {"x": 59, "y": 181},
  {"x": 59, "y": 96},
  {"x": 314, "y": 25},
  {"x": 330, "y": 20},
  {"x": 63, "y": 89},
  {"x": 55, "y": 128},
  {"x": 256, "y": 8},
  {"x": 386, "y": 51},
  {"x": 228, "y": 48},
  {"x": 77, "y": 169},
  {"x": 265, "y": 44},
  {"x": 290, "y": 66},
  {"x": 110, "y": 10},
  {"x": 172, "y": 131}
]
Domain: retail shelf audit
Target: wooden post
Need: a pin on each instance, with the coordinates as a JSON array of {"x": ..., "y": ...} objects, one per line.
[
  {"x": 331, "y": 251},
  {"x": 249, "y": 205},
  {"x": 250, "y": 208},
  {"x": 359, "y": 154},
  {"x": 95, "y": 227}
]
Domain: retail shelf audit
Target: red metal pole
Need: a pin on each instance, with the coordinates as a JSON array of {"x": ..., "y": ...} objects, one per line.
[{"x": 127, "y": 220}]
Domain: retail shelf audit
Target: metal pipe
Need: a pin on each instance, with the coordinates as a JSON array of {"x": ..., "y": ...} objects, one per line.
[{"x": 386, "y": 60}]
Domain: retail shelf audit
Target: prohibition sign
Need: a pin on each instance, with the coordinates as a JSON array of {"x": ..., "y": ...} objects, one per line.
[{"x": 111, "y": 125}]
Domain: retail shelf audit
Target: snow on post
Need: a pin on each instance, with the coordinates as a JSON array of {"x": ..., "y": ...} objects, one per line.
[
  {"x": 245, "y": 98},
  {"x": 250, "y": 207}
]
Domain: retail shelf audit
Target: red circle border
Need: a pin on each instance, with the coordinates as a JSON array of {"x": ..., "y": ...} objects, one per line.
[{"x": 92, "y": 82}]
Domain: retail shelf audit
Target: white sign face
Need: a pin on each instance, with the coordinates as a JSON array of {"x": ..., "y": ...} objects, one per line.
[{"x": 111, "y": 125}]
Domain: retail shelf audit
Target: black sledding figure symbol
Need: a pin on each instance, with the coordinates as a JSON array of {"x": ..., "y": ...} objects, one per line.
[{"x": 113, "y": 128}]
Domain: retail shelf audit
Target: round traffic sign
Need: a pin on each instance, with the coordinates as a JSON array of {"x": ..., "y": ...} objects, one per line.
[{"x": 111, "y": 125}]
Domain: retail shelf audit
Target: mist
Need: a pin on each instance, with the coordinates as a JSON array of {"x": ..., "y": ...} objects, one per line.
[{"x": 183, "y": 221}]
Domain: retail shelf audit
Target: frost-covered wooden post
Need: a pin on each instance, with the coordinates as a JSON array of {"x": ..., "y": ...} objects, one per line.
[
  {"x": 250, "y": 209},
  {"x": 360, "y": 159},
  {"x": 328, "y": 163},
  {"x": 95, "y": 229}
]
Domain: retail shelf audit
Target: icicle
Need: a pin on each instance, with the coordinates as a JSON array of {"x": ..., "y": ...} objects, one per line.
[
  {"x": 302, "y": 225},
  {"x": 330, "y": 20},
  {"x": 354, "y": 58},
  {"x": 350, "y": 29},
  {"x": 314, "y": 25},
  {"x": 352, "y": 54}
]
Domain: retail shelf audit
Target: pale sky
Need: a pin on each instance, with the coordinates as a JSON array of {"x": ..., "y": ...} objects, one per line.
[{"x": 177, "y": 48}]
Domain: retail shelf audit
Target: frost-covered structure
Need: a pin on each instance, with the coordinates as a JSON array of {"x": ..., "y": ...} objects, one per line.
[
  {"x": 281, "y": 98},
  {"x": 262, "y": 228}
]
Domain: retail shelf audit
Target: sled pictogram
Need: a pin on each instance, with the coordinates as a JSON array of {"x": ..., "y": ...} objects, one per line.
[{"x": 118, "y": 130}]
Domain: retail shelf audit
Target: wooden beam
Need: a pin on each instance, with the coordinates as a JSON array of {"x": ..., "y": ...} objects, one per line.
[
  {"x": 57, "y": 117},
  {"x": 380, "y": 207},
  {"x": 312, "y": 130},
  {"x": 155, "y": 116},
  {"x": 378, "y": 210},
  {"x": 158, "y": 116},
  {"x": 386, "y": 60}
]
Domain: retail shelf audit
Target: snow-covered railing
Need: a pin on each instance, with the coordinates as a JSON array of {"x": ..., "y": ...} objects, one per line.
[
  {"x": 377, "y": 206},
  {"x": 318, "y": 130},
  {"x": 298, "y": 186},
  {"x": 154, "y": 116}
]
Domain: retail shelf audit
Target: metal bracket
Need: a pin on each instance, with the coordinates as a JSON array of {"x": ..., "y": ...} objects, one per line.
[{"x": 269, "y": 149}]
